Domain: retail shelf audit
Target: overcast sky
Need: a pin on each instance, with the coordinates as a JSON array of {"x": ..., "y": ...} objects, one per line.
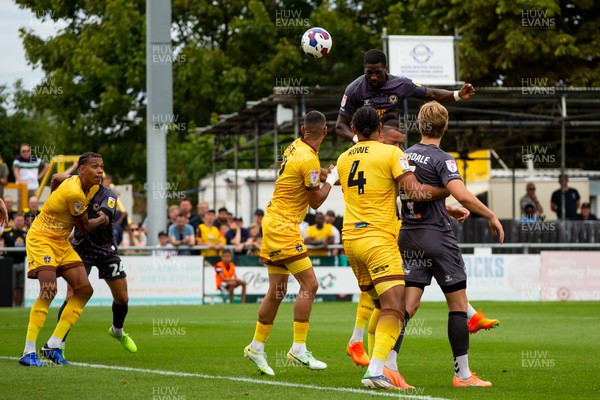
[{"x": 13, "y": 64}]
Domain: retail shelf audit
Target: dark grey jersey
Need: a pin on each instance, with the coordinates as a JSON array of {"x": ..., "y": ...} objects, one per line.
[
  {"x": 383, "y": 99},
  {"x": 98, "y": 244},
  {"x": 433, "y": 167}
]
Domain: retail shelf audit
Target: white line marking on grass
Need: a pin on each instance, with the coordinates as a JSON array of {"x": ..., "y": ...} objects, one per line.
[{"x": 397, "y": 394}]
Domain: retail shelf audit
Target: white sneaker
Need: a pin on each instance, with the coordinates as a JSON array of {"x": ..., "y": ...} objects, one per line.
[
  {"x": 307, "y": 360},
  {"x": 260, "y": 359}
]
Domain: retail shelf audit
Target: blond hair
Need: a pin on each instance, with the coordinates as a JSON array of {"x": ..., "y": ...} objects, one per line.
[{"x": 433, "y": 119}]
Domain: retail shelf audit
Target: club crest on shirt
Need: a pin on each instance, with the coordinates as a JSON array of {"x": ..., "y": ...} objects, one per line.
[
  {"x": 393, "y": 99},
  {"x": 111, "y": 202},
  {"x": 451, "y": 164},
  {"x": 47, "y": 259},
  {"x": 299, "y": 247},
  {"x": 95, "y": 207},
  {"x": 78, "y": 208}
]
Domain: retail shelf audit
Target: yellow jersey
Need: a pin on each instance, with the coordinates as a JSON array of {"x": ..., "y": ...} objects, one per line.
[
  {"x": 319, "y": 234},
  {"x": 212, "y": 235},
  {"x": 368, "y": 173},
  {"x": 300, "y": 170},
  {"x": 57, "y": 217}
]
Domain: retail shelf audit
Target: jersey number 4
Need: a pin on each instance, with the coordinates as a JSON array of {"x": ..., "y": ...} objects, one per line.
[{"x": 357, "y": 178}]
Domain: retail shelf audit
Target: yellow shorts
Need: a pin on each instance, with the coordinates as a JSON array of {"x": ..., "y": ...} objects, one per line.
[
  {"x": 376, "y": 263},
  {"x": 281, "y": 242},
  {"x": 295, "y": 267},
  {"x": 45, "y": 254}
]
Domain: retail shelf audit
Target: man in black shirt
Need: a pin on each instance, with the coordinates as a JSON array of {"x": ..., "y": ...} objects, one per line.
[{"x": 14, "y": 236}]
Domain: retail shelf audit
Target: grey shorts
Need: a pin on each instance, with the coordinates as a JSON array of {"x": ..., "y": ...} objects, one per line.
[{"x": 429, "y": 253}]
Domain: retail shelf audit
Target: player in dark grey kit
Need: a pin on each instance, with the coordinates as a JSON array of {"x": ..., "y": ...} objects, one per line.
[
  {"x": 427, "y": 242},
  {"x": 384, "y": 92},
  {"x": 99, "y": 248}
]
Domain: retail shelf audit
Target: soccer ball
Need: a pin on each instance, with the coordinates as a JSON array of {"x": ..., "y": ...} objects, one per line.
[{"x": 316, "y": 42}]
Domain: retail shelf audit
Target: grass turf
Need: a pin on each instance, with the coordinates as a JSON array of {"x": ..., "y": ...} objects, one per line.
[{"x": 540, "y": 351}]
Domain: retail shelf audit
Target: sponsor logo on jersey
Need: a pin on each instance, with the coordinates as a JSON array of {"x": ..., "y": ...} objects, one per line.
[
  {"x": 451, "y": 164},
  {"x": 344, "y": 100},
  {"x": 111, "y": 202}
]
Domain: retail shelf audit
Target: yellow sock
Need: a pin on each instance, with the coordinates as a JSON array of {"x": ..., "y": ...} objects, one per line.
[
  {"x": 37, "y": 317},
  {"x": 388, "y": 330},
  {"x": 262, "y": 332},
  {"x": 300, "y": 332},
  {"x": 372, "y": 328},
  {"x": 364, "y": 310},
  {"x": 69, "y": 316}
]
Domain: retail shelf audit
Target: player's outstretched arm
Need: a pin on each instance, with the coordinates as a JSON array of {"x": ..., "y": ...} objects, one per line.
[
  {"x": 342, "y": 128},
  {"x": 316, "y": 197},
  {"x": 57, "y": 179},
  {"x": 3, "y": 213},
  {"x": 446, "y": 96},
  {"x": 463, "y": 196},
  {"x": 417, "y": 191}
]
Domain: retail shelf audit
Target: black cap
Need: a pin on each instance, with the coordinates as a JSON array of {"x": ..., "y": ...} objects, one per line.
[
  {"x": 237, "y": 218},
  {"x": 162, "y": 233},
  {"x": 331, "y": 213},
  {"x": 259, "y": 212}
]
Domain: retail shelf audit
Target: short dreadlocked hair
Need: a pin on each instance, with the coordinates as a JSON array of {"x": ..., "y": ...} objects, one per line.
[
  {"x": 366, "y": 121},
  {"x": 86, "y": 158}
]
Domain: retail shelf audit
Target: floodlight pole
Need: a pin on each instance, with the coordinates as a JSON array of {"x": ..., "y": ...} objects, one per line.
[
  {"x": 159, "y": 112},
  {"x": 563, "y": 153}
]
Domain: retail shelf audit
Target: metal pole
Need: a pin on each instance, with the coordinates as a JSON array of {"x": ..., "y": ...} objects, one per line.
[
  {"x": 159, "y": 112},
  {"x": 457, "y": 39},
  {"x": 214, "y": 171},
  {"x": 296, "y": 122},
  {"x": 563, "y": 154},
  {"x": 235, "y": 167},
  {"x": 256, "y": 163}
]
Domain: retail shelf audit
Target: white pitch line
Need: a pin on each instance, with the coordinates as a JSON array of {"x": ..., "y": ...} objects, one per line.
[{"x": 396, "y": 394}]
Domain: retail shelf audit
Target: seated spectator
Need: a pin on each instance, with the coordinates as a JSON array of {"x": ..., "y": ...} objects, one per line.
[
  {"x": 238, "y": 235},
  {"x": 586, "y": 213},
  {"x": 337, "y": 237},
  {"x": 320, "y": 234},
  {"x": 226, "y": 278},
  {"x": 181, "y": 234},
  {"x": 208, "y": 234},
  {"x": 529, "y": 214},
  {"x": 222, "y": 216},
  {"x": 134, "y": 236},
  {"x": 258, "y": 217},
  {"x": 32, "y": 211},
  {"x": 163, "y": 243},
  {"x": 530, "y": 198},
  {"x": 15, "y": 236},
  {"x": 255, "y": 241}
]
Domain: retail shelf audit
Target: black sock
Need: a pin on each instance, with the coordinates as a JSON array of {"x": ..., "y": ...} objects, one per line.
[
  {"x": 458, "y": 332},
  {"x": 401, "y": 336},
  {"x": 59, "y": 314},
  {"x": 119, "y": 313}
]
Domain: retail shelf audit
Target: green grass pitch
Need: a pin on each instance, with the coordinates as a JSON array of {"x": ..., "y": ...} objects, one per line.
[{"x": 540, "y": 351}]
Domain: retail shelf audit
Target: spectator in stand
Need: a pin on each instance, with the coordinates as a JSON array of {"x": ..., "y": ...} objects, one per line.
[
  {"x": 222, "y": 217},
  {"x": 255, "y": 241},
  {"x": 337, "y": 237},
  {"x": 226, "y": 278},
  {"x": 15, "y": 236},
  {"x": 208, "y": 234},
  {"x": 319, "y": 234},
  {"x": 572, "y": 199},
  {"x": 185, "y": 206},
  {"x": 172, "y": 213},
  {"x": 529, "y": 214},
  {"x": 181, "y": 234},
  {"x": 586, "y": 213},
  {"x": 197, "y": 219},
  {"x": 4, "y": 171},
  {"x": 32, "y": 211},
  {"x": 163, "y": 243},
  {"x": 134, "y": 237},
  {"x": 8, "y": 201},
  {"x": 238, "y": 236},
  {"x": 258, "y": 217},
  {"x": 531, "y": 199},
  {"x": 26, "y": 169}
]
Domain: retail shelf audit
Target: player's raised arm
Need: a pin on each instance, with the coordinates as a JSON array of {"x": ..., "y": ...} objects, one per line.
[
  {"x": 446, "y": 96},
  {"x": 417, "y": 191},
  {"x": 3, "y": 213},
  {"x": 342, "y": 128},
  {"x": 316, "y": 197},
  {"x": 470, "y": 202}
]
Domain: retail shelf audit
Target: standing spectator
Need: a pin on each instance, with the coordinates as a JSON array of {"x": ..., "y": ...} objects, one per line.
[
  {"x": 530, "y": 198},
  {"x": 208, "y": 234},
  {"x": 181, "y": 234},
  {"x": 4, "y": 171},
  {"x": 8, "y": 201},
  {"x": 197, "y": 219},
  {"x": 571, "y": 199},
  {"x": 226, "y": 278},
  {"x": 163, "y": 243},
  {"x": 14, "y": 236},
  {"x": 238, "y": 235},
  {"x": 586, "y": 213},
  {"x": 222, "y": 217},
  {"x": 320, "y": 234},
  {"x": 26, "y": 169},
  {"x": 32, "y": 211},
  {"x": 185, "y": 206},
  {"x": 337, "y": 239}
]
